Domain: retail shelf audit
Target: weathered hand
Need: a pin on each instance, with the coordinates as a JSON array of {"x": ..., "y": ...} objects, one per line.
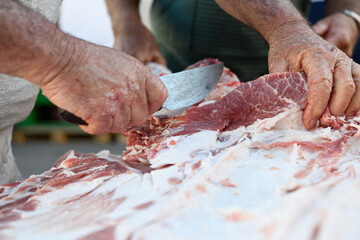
[
  {"x": 108, "y": 89},
  {"x": 339, "y": 30},
  {"x": 136, "y": 40},
  {"x": 333, "y": 77}
]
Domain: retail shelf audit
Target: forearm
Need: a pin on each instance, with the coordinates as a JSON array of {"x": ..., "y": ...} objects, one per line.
[
  {"x": 335, "y": 6},
  {"x": 122, "y": 12},
  {"x": 265, "y": 16},
  {"x": 31, "y": 47}
]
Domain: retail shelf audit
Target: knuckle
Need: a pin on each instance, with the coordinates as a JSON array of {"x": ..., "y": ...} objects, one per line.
[
  {"x": 349, "y": 87},
  {"x": 355, "y": 68},
  {"x": 342, "y": 59},
  {"x": 357, "y": 84},
  {"x": 327, "y": 82},
  {"x": 323, "y": 84},
  {"x": 320, "y": 51},
  {"x": 345, "y": 39},
  {"x": 343, "y": 63}
]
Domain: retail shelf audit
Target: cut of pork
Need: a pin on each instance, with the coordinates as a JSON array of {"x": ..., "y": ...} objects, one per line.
[
  {"x": 263, "y": 98},
  {"x": 263, "y": 176}
]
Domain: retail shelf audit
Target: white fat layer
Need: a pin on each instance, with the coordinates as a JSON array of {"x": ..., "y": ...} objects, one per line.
[{"x": 212, "y": 185}]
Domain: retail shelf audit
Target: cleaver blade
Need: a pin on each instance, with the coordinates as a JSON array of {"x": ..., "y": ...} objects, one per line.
[
  {"x": 184, "y": 89},
  {"x": 191, "y": 86}
]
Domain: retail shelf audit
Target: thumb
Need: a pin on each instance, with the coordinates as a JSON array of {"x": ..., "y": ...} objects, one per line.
[
  {"x": 160, "y": 59},
  {"x": 321, "y": 27},
  {"x": 156, "y": 93},
  {"x": 278, "y": 65}
]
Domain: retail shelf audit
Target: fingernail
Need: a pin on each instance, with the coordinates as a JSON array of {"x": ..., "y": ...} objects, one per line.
[{"x": 312, "y": 123}]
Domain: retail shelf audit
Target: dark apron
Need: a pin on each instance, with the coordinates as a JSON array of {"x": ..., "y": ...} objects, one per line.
[{"x": 190, "y": 30}]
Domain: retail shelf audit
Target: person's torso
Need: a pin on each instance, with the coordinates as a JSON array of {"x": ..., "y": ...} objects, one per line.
[
  {"x": 17, "y": 97},
  {"x": 200, "y": 28}
]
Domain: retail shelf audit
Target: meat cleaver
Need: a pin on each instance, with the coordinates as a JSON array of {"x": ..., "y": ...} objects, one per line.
[{"x": 184, "y": 89}]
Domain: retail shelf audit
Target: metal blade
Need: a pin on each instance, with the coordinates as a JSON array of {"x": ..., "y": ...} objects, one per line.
[{"x": 189, "y": 87}]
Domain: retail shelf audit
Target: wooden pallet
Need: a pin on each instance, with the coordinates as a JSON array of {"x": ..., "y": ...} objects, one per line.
[{"x": 60, "y": 134}]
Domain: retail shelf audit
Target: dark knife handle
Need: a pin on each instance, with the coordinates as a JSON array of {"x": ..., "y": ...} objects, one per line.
[{"x": 71, "y": 118}]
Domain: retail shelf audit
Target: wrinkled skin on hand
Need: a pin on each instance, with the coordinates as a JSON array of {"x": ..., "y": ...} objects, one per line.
[
  {"x": 108, "y": 89},
  {"x": 339, "y": 30},
  {"x": 136, "y": 40},
  {"x": 333, "y": 77}
]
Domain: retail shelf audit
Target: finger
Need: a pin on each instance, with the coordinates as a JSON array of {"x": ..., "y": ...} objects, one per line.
[
  {"x": 160, "y": 59},
  {"x": 320, "y": 81},
  {"x": 341, "y": 42},
  {"x": 139, "y": 104},
  {"x": 117, "y": 44},
  {"x": 337, "y": 40},
  {"x": 148, "y": 57},
  {"x": 354, "y": 105},
  {"x": 348, "y": 51},
  {"x": 156, "y": 93},
  {"x": 141, "y": 57},
  {"x": 277, "y": 65},
  {"x": 122, "y": 118},
  {"x": 321, "y": 27},
  {"x": 343, "y": 87},
  {"x": 97, "y": 126}
]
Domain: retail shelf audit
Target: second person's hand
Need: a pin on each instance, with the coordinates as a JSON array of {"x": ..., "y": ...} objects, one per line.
[
  {"x": 136, "y": 40},
  {"x": 333, "y": 77},
  {"x": 339, "y": 30}
]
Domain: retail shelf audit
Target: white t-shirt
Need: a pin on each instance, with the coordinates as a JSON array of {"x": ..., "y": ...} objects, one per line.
[{"x": 17, "y": 98}]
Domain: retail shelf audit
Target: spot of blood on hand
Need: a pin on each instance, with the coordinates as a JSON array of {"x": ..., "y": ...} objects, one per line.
[
  {"x": 118, "y": 95},
  {"x": 332, "y": 71}
]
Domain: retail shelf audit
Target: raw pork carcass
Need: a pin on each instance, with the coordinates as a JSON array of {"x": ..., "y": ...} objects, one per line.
[{"x": 240, "y": 167}]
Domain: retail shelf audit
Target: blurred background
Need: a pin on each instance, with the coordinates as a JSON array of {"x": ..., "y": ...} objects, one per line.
[{"x": 42, "y": 138}]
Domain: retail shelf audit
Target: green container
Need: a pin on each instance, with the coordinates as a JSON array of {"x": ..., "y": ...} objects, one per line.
[
  {"x": 33, "y": 118},
  {"x": 30, "y": 120},
  {"x": 42, "y": 100}
]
